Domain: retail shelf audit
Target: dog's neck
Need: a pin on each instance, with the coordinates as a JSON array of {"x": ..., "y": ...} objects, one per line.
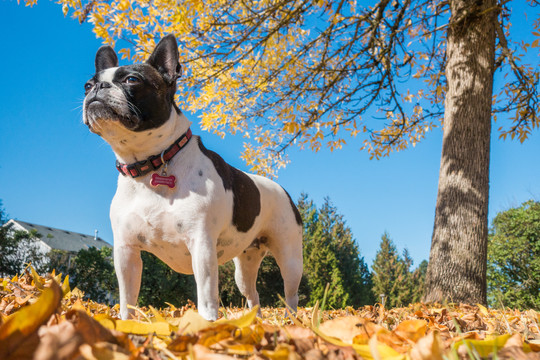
[{"x": 130, "y": 147}]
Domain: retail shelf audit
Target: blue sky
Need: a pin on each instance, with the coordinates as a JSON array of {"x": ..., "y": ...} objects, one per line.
[{"x": 54, "y": 172}]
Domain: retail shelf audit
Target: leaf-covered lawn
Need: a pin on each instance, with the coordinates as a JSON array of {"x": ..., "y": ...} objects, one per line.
[{"x": 43, "y": 319}]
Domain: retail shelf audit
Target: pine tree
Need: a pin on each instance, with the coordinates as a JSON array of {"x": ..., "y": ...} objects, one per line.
[
  {"x": 419, "y": 282},
  {"x": 390, "y": 274},
  {"x": 331, "y": 256}
]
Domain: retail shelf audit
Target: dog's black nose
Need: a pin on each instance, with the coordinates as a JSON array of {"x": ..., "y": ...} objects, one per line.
[{"x": 104, "y": 85}]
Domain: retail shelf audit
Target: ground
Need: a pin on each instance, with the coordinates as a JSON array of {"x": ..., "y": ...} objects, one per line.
[{"x": 41, "y": 318}]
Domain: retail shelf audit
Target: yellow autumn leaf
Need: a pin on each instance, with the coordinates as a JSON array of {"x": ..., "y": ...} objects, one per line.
[
  {"x": 66, "y": 289},
  {"x": 246, "y": 320},
  {"x": 136, "y": 327},
  {"x": 281, "y": 352},
  {"x": 483, "y": 347},
  {"x": 191, "y": 322},
  {"x": 157, "y": 315},
  {"x": 36, "y": 277},
  {"x": 214, "y": 334},
  {"x": 241, "y": 349},
  {"x": 25, "y": 322},
  {"x": 412, "y": 329},
  {"x": 483, "y": 309},
  {"x": 381, "y": 351},
  {"x": 124, "y": 5}
]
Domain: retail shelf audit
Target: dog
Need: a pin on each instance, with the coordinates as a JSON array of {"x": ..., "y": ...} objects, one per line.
[{"x": 175, "y": 198}]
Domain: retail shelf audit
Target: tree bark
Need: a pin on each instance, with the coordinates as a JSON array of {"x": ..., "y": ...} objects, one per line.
[{"x": 458, "y": 257}]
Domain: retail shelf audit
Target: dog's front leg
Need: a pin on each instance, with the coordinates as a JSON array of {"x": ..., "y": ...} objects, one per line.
[
  {"x": 205, "y": 269},
  {"x": 128, "y": 266}
]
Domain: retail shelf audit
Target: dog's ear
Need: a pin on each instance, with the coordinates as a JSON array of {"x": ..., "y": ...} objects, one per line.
[
  {"x": 105, "y": 58},
  {"x": 165, "y": 58}
]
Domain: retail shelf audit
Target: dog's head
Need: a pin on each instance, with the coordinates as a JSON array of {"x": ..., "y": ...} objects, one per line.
[{"x": 135, "y": 97}]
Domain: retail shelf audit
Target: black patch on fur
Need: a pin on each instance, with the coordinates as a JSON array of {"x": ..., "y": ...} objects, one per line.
[
  {"x": 141, "y": 238},
  {"x": 294, "y": 209},
  {"x": 246, "y": 195}
]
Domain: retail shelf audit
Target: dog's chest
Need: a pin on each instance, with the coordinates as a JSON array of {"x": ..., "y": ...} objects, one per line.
[
  {"x": 155, "y": 226},
  {"x": 168, "y": 222}
]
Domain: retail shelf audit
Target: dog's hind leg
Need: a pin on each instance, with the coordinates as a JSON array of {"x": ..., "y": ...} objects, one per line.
[
  {"x": 288, "y": 255},
  {"x": 245, "y": 273}
]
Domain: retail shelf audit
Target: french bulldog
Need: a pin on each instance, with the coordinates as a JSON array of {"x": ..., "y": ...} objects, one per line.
[{"x": 175, "y": 198}]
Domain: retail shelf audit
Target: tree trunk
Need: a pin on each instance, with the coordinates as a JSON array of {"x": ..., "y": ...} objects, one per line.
[{"x": 458, "y": 257}]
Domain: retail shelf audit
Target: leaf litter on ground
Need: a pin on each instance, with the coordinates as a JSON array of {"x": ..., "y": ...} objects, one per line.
[{"x": 41, "y": 318}]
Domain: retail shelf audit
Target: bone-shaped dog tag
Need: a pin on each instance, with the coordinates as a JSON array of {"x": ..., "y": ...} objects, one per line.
[{"x": 169, "y": 181}]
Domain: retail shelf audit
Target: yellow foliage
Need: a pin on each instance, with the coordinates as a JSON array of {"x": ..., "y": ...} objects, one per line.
[{"x": 259, "y": 68}]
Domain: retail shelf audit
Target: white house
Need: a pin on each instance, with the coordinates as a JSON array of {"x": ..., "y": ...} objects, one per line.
[{"x": 57, "y": 239}]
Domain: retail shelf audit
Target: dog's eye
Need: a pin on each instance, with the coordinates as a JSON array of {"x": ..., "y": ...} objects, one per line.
[
  {"x": 88, "y": 86},
  {"x": 132, "y": 80}
]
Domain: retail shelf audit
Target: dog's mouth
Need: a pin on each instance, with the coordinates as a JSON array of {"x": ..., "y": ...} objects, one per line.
[{"x": 98, "y": 112}]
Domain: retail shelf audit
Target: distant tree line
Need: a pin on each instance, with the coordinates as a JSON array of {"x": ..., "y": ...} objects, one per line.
[{"x": 334, "y": 270}]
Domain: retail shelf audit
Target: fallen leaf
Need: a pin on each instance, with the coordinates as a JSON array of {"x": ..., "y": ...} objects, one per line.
[
  {"x": 345, "y": 328},
  {"x": 483, "y": 347},
  {"x": 18, "y": 333},
  {"x": 428, "y": 348},
  {"x": 191, "y": 322},
  {"x": 103, "y": 351},
  {"x": 137, "y": 327},
  {"x": 243, "y": 321},
  {"x": 412, "y": 330}
]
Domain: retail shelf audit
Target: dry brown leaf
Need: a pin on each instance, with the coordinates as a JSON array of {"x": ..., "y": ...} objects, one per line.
[
  {"x": 412, "y": 330},
  {"x": 428, "y": 348},
  {"x": 513, "y": 349},
  {"x": 344, "y": 328}
]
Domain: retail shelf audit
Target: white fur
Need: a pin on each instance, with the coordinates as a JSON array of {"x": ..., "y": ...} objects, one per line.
[{"x": 190, "y": 227}]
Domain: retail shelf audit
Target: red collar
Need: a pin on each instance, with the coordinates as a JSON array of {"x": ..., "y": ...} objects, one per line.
[{"x": 154, "y": 162}]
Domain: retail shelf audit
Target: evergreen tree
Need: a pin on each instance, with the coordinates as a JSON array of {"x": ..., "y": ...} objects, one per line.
[
  {"x": 393, "y": 275},
  {"x": 514, "y": 258},
  {"x": 390, "y": 274},
  {"x": 419, "y": 282},
  {"x": 331, "y": 256},
  {"x": 406, "y": 287}
]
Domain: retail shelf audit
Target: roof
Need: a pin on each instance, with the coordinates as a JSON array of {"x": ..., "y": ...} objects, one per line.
[{"x": 59, "y": 239}]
